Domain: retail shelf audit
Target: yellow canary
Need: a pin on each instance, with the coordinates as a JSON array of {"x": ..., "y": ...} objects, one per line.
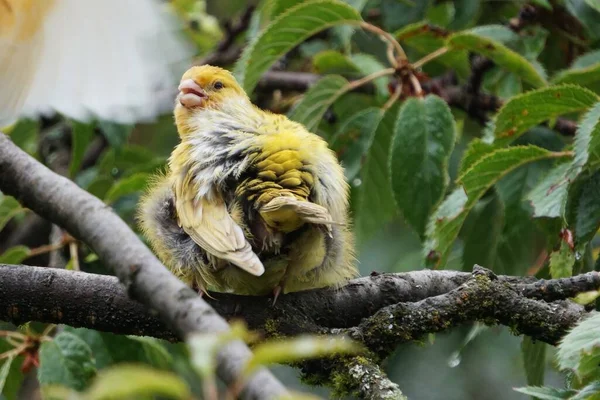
[
  {"x": 252, "y": 203},
  {"x": 110, "y": 59}
]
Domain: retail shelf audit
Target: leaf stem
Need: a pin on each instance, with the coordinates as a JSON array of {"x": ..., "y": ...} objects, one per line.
[
  {"x": 359, "y": 82},
  {"x": 430, "y": 56},
  {"x": 392, "y": 44},
  {"x": 393, "y": 98},
  {"x": 416, "y": 85}
]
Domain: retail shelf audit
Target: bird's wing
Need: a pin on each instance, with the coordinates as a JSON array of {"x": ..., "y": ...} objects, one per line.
[
  {"x": 109, "y": 60},
  {"x": 208, "y": 223}
]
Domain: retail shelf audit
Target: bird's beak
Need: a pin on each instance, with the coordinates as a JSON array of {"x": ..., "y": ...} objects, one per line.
[{"x": 191, "y": 94}]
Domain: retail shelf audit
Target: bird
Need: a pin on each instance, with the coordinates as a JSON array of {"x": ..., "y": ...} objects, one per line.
[
  {"x": 111, "y": 60},
  {"x": 250, "y": 202}
]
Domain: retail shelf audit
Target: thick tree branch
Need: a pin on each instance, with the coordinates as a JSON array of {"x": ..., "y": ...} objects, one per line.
[
  {"x": 99, "y": 302},
  {"x": 147, "y": 280},
  {"x": 483, "y": 297}
]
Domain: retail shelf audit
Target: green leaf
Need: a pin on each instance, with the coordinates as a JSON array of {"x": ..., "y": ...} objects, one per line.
[
  {"x": 287, "y": 31},
  {"x": 4, "y": 370},
  {"x": 589, "y": 392},
  {"x": 579, "y": 76},
  {"x": 15, "y": 255},
  {"x": 376, "y": 205},
  {"x": 546, "y": 393},
  {"x": 447, "y": 220},
  {"x": 398, "y": 13},
  {"x": 425, "y": 41},
  {"x": 580, "y": 348},
  {"x": 116, "y": 134},
  {"x": 128, "y": 381},
  {"x": 109, "y": 349},
  {"x": 549, "y": 197},
  {"x": 586, "y": 16},
  {"x": 595, "y": 4},
  {"x": 587, "y": 139},
  {"x": 586, "y": 209},
  {"x": 9, "y": 208},
  {"x": 367, "y": 64},
  {"x": 126, "y": 186},
  {"x": 333, "y": 62},
  {"x": 466, "y": 13},
  {"x": 25, "y": 135},
  {"x": 499, "y": 53},
  {"x": 476, "y": 150},
  {"x": 521, "y": 241},
  {"x": 423, "y": 140},
  {"x": 66, "y": 360},
  {"x": 481, "y": 242},
  {"x": 298, "y": 349},
  {"x": 534, "y": 360},
  {"x": 499, "y": 33},
  {"x": 317, "y": 100},
  {"x": 81, "y": 134},
  {"x": 354, "y": 139},
  {"x": 532, "y": 108}
]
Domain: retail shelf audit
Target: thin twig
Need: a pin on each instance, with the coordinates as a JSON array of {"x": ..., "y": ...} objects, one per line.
[
  {"x": 359, "y": 82},
  {"x": 429, "y": 57},
  {"x": 389, "y": 38},
  {"x": 394, "y": 97}
]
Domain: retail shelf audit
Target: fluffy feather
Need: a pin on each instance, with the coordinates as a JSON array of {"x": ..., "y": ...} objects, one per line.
[{"x": 239, "y": 169}]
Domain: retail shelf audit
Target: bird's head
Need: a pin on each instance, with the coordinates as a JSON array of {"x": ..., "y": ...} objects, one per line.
[{"x": 207, "y": 87}]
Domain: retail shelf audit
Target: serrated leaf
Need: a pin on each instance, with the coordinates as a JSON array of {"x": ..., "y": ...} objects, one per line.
[
  {"x": 475, "y": 151},
  {"x": 15, "y": 255},
  {"x": 581, "y": 343},
  {"x": 81, "y": 134},
  {"x": 499, "y": 53},
  {"x": 333, "y": 62},
  {"x": 354, "y": 138},
  {"x": 424, "y": 137},
  {"x": 128, "y": 381},
  {"x": 376, "y": 204},
  {"x": 586, "y": 205},
  {"x": 579, "y": 76},
  {"x": 549, "y": 197},
  {"x": 546, "y": 393},
  {"x": 66, "y": 360},
  {"x": 126, "y": 186},
  {"x": 317, "y": 100},
  {"x": 587, "y": 139},
  {"x": 288, "y": 30},
  {"x": 534, "y": 360},
  {"x": 530, "y": 109},
  {"x": 444, "y": 225},
  {"x": 589, "y": 392},
  {"x": 4, "y": 370},
  {"x": 300, "y": 348},
  {"x": 586, "y": 60},
  {"x": 9, "y": 208}
]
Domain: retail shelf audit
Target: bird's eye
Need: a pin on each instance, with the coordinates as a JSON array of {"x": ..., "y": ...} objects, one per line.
[{"x": 218, "y": 85}]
